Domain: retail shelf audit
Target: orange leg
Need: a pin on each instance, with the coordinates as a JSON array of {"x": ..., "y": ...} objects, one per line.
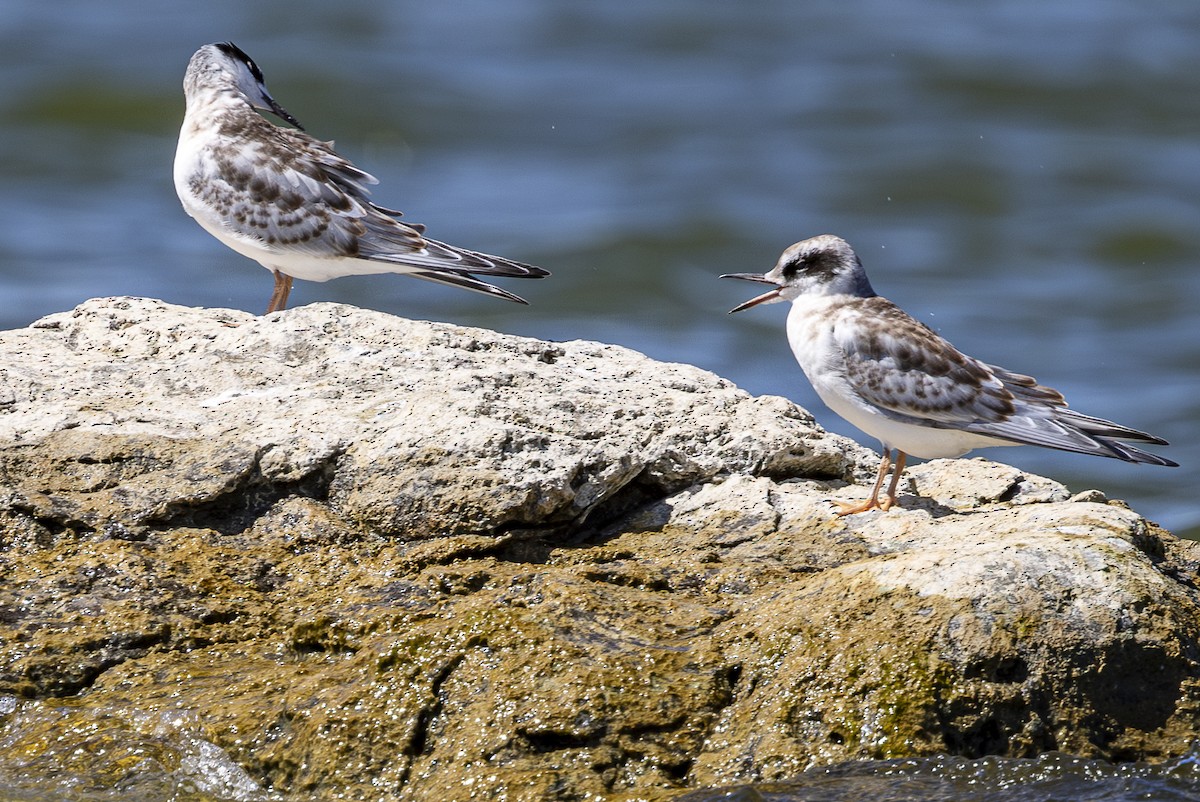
[
  {"x": 897, "y": 472},
  {"x": 874, "y": 502},
  {"x": 283, "y": 286}
]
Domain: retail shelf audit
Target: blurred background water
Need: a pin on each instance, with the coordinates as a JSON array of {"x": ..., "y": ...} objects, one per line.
[{"x": 1022, "y": 176}]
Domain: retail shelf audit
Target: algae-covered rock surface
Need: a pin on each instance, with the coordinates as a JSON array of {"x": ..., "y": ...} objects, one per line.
[{"x": 335, "y": 554}]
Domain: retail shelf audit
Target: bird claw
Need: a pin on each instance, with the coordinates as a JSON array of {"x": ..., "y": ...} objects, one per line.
[{"x": 873, "y": 503}]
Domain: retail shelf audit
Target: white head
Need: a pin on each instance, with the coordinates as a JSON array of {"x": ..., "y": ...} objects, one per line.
[
  {"x": 224, "y": 69},
  {"x": 823, "y": 265}
]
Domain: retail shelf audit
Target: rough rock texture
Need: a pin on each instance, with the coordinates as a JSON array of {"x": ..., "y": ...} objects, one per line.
[{"x": 333, "y": 553}]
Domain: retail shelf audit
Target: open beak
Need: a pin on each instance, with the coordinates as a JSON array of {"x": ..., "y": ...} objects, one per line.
[{"x": 766, "y": 297}]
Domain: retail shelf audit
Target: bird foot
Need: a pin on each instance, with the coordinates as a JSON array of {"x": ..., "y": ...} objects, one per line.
[{"x": 873, "y": 503}]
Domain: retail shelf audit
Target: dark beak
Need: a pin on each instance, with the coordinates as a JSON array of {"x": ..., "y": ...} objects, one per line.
[
  {"x": 281, "y": 112},
  {"x": 758, "y": 299}
]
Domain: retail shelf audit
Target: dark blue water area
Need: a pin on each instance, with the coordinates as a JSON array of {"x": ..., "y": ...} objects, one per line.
[
  {"x": 1024, "y": 177},
  {"x": 1049, "y": 778}
]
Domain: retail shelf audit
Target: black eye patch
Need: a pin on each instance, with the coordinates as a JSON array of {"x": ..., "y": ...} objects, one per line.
[{"x": 796, "y": 266}]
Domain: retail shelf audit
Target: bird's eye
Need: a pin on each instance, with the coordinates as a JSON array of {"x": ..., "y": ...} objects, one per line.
[{"x": 796, "y": 266}]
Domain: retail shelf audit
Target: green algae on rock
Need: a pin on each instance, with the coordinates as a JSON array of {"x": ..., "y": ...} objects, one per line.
[{"x": 364, "y": 557}]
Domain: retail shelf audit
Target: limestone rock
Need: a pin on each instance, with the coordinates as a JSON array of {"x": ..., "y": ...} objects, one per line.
[
  {"x": 408, "y": 429},
  {"x": 331, "y": 553}
]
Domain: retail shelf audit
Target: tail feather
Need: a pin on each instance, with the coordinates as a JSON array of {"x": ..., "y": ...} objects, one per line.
[
  {"x": 467, "y": 282},
  {"x": 1099, "y": 427},
  {"x": 1109, "y": 435},
  {"x": 485, "y": 263},
  {"x": 1074, "y": 432},
  {"x": 1043, "y": 419},
  {"x": 1129, "y": 453}
]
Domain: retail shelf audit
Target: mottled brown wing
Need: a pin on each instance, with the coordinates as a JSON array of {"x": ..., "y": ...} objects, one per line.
[
  {"x": 909, "y": 372},
  {"x": 306, "y": 198}
]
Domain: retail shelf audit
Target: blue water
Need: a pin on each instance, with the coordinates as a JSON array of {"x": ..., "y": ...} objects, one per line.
[
  {"x": 1052, "y": 777},
  {"x": 1023, "y": 176}
]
